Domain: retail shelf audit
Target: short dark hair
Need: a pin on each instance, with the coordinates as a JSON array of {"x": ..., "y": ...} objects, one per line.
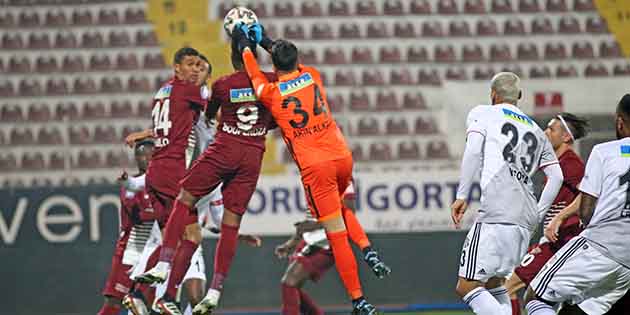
[
  {"x": 202, "y": 57},
  {"x": 284, "y": 55},
  {"x": 183, "y": 52},
  {"x": 623, "y": 108},
  {"x": 577, "y": 125}
]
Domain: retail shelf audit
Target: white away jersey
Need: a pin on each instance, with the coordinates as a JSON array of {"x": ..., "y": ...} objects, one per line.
[
  {"x": 607, "y": 177},
  {"x": 514, "y": 149}
]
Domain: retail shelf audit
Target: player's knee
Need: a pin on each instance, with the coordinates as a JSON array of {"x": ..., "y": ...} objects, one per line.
[
  {"x": 193, "y": 233},
  {"x": 231, "y": 218},
  {"x": 290, "y": 280},
  {"x": 186, "y": 198}
]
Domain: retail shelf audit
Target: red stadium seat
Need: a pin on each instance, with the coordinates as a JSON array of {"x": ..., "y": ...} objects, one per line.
[
  {"x": 57, "y": 86},
  {"x": 502, "y": 6},
  {"x": 362, "y": 55},
  {"x": 366, "y": 7},
  {"x": 474, "y": 7},
  {"x": 108, "y": 17},
  {"x": 94, "y": 110},
  {"x": 437, "y": 150},
  {"x": 542, "y": 25},
  {"x": 417, "y": 54},
  {"x": 321, "y": 31},
  {"x": 349, "y": 30},
  {"x": 6, "y": 89},
  {"x": 57, "y": 161},
  {"x": 368, "y": 126},
  {"x": 500, "y": 52},
  {"x": 56, "y": 19},
  {"x": 557, "y": 6},
  {"x": 39, "y": 112},
  {"x": 7, "y": 20},
  {"x": 283, "y": 9},
  {"x": 413, "y": 101},
  {"x": 73, "y": 64},
  {"x": 487, "y": 27},
  {"x": 8, "y": 162},
  {"x": 100, "y": 63},
  {"x": 377, "y": 30},
  {"x": 105, "y": 134},
  {"x": 294, "y": 31},
  {"x": 89, "y": 160},
  {"x": 566, "y": 71},
  {"x": 146, "y": 38},
  {"x": 425, "y": 126},
  {"x": 357, "y": 152},
  {"x": 30, "y": 87},
  {"x": 621, "y": 70},
  {"x": 161, "y": 80},
  {"x": 429, "y": 77},
  {"x": 447, "y": 7},
  {"x": 514, "y": 27},
  {"x": 312, "y": 8},
  {"x": 555, "y": 51},
  {"x": 420, "y": 7},
  {"x": 596, "y": 25},
  {"x": 338, "y": 8},
  {"x": 610, "y": 50},
  {"x": 33, "y": 161},
  {"x": 28, "y": 18},
  {"x": 514, "y": 68},
  {"x": 50, "y": 136},
  {"x": 539, "y": 72},
  {"x": 432, "y": 29},
  {"x": 143, "y": 109},
  {"x": 39, "y": 41},
  {"x": 308, "y": 56},
  {"x": 82, "y": 18},
  {"x": 119, "y": 39},
  {"x": 334, "y": 56},
  {"x": 47, "y": 65},
  {"x": 121, "y": 109},
  {"x": 153, "y": 61},
  {"x": 92, "y": 40},
  {"x": 404, "y": 30},
  {"x": 66, "y": 40},
  {"x": 583, "y": 5},
  {"x": 408, "y": 150},
  {"x": 528, "y": 6},
  {"x": 387, "y": 101},
  {"x": 527, "y": 51},
  {"x": 139, "y": 85},
  {"x": 569, "y": 25},
  {"x": 397, "y": 126},
  {"x": 67, "y": 111},
  {"x": 111, "y": 85},
  {"x": 444, "y": 53},
  {"x": 79, "y": 135},
  {"x": 373, "y": 77},
  {"x": 19, "y": 65},
  {"x": 127, "y": 61},
  {"x": 345, "y": 77},
  {"x": 134, "y": 16},
  {"x": 117, "y": 159},
  {"x": 459, "y": 28},
  {"x": 3, "y": 138},
  {"x": 11, "y": 113},
  {"x": 456, "y": 74},
  {"x": 390, "y": 54},
  {"x": 12, "y": 41},
  {"x": 583, "y": 50},
  {"x": 472, "y": 53},
  {"x": 401, "y": 77},
  {"x": 393, "y": 7},
  {"x": 336, "y": 102},
  {"x": 22, "y": 136},
  {"x": 83, "y": 85},
  {"x": 359, "y": 101},
  {"x": 380, "y": 151},
  {"x": 596, "y": 70}
]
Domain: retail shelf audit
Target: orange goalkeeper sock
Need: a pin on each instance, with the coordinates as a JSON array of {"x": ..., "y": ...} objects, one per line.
[
  {"x": 355, "y": 230},
  {"x": 345, "y": 263}
]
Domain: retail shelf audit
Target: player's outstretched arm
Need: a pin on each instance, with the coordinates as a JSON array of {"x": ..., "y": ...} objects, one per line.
[
  {"x": 552, "y": 187},
  {"x": 551, "y": 231},
  {"x": 471, "y": 163},
  {"x": 133, "y": 137},
  {"x": 587, "y": 206}
]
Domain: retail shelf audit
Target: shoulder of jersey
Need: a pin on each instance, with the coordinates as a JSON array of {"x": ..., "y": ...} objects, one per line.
[
  {"x": 479, "y": 111},
  {"x": 612, "y": 146}
]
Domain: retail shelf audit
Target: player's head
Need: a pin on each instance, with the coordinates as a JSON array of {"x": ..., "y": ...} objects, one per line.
[
  {"x": 237, "y": 58},
  {"x": 622, "y": 119},
  {"x": 565, "y": 128},
  {"x": 284, "y": 56},
  {"x": 505, "y": 87},
  {"x": 205, "y": 70},
  {"x": 186, "y": 64},
  {"x": 142, "y": 153}
]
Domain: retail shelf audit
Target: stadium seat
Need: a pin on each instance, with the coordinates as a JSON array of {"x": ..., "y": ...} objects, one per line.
[
  {"x": 70, "y": 181},
  {"x": 294, "y": 31},
  {"x": 284, "y": 9},
  {"x": 444, "y": 53},
  {"x": 413, "y": 101},
  {"x": 11, "y": 113},
  {"x": 126, "y": 130},
  {"x": 311, "y": 8},
  {"x": 362, "y": 55},
  {"x": 404, "y": 30},
  {"x": 67, "y": 111},
  {"x": 487, "y": 27},
  {"x": 397, "y": 126},
  {"x": 153, "y": 61},
  {"x": 566, "y": 71},
  {"x": 66, "y": 40},
  {"x": 401, "y": 77},
  {"x": 447, "y": 7},
  {"x": 39, "y": 41},
  {"x": 569, "y": 25},
  {"x": 408, "y": 150},
  {"x": 456, "y": 74},
  {"x": 514, "y": 27},
  {"x": 161, "y": 80},
  {"x": 139, "y": 85},
  {"x": 500, "y": 53},
  {"x": 116, "y": 159},
  {"x": 22, "y": 136},
  {"x": 429, "y": 77},
  {"x": 349, "y": 31},
  {"x": 609, "y": 50},
  {"x": 108, "y": 17},
  {"x": 42, "y": 182},
  {"x": 55, "y": 19},
  {"x": 424, "y": 126},
  {"x": 334, "y": 56},
  {"x": 621, "y": 70},
  {"x": 582, "y": 50},
  {"x": 8, "y": 162},
  {"x": 12, "y": 41},
  {"x": 372, "y": 77},
  {"x": 387, "y": 101},
  {"x": 82, "y": 18},
  {"x": 359, "y": 101},
  {"x": 121, "y": 109},
  {"x": 474, "y": 7},
  {"x": 19, "y": 65},
  {"x": 459, "y": 28},
  {"x": 345, "y": 77},
  {"x": 368, "y": 126},
  {"x": 514, "y": 68},
  {"x": 89, "y": 160},
  {"x": 28, "y": 18},
  {"x": 111, "y": 85},
  {"x": 377, "y": 30},
  {"x": 79, "y": 135},
  {"x": 539, "y": 72},
  {"x": 94, "y": 110},
  {"x": 596, "y": 25},
  {"x": 596, "y": 70},
  {"x": 541, "y": 26},
  {"x": 119, "y": 39},
  {"x": 105, "y": 134},
  {"x": 39, "y": 112},
  {"x": 47, "y": 65},
  {"x": 50, "y": 136},
  {"x": 336, "y": 102},
  {"x": 308, "y": 56},
  {"x": 528, "y": 6},
  {"x": 555, "y": 51},
  {"x": 128, "y": 61},
  {"x": 134, "y": 16},
  {"x": 437, "y": 150},
  {"x": 57, "y": 161},
  {"x": 366, "y": 7},
  {"x": 417, "y": 54},
  {"x": 357, "y": 152},
  {"x": 432, "y": 29},
  {"x": 146, "y": 38},
  {"x": 583, "y": 5},
  {"x": 73, "y": 64},
  {"x": 420, "y": 7},
  {"x": 557, "y": 6},
  {"x": 92, "y": 39},
  {"x": 501, "y": 6},
  {"x": 7, "y": 89},
  {"x": 33, "y": 161},
  {"x": 7, "y": 20},
  {"x": 389, "y": 54},
  {"x": 30, "y": 87},
  {"x": 83, "y": 85},
  {"x": 321, "y": 31},
  {"x": 338, "y": 8},
  {"x": 144, "y": 109},
  {"x": 393, "y": 7},
  {"x": 3, "y": 139},
  {"x": 380, "y": 151},
  {"x": 472, "y": 53},
  {"x": 527, "y": 51}
]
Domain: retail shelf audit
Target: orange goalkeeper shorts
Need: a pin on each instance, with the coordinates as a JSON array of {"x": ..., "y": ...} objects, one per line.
[{"x": 324, "y": 185}]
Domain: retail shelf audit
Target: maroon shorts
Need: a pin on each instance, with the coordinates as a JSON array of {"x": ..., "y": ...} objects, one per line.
[
  {"x": 118, "y": 283},
  {"x": 236, "y": 166},
  {"x": 317, "y": 261}
]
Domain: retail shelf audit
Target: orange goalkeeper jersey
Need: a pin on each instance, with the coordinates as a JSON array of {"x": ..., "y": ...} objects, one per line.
[{"x": 298, "y": 104}]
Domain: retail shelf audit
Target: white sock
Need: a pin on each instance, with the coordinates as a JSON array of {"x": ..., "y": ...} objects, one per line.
[
  {"x": 536, "y": 307},
  {"x": 482, "y": 302},
  {"x": 501, "y": 295},
  {"x": 188, "y": 310}
]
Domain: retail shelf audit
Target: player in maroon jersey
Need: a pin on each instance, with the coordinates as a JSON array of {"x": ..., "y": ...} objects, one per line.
[
  {"x": 234, "y": 160},
  {"x": 562, "y": 131},
  {"x": 136, "y": 218}
]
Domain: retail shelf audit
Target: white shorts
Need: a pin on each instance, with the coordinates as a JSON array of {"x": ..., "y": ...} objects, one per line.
[
  {"x": 580, "y": 274},
  {"x": 492, "y": 250}
]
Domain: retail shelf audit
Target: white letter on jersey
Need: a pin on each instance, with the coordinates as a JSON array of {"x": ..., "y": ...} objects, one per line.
[
  {"x": 10, "y": 233},
  {"x": 96, "y": 203},
  {"x": 44, "y": 219}
]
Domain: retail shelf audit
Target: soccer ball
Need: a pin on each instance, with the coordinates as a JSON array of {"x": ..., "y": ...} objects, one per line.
[{"x": 236, "y": 15}]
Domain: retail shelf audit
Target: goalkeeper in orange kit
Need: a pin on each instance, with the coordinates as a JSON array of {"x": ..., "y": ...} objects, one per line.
[{"x": 298, "y": 104}]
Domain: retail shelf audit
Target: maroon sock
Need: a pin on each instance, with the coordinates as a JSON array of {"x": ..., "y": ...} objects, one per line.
[
  {"x": 109, "y": 310},
  {"x": 223, "y": 255},
  {"x": 290, "y": 300},
  {"x": 516, "y": 307},
  {"x": 175, "y": 227},
  {"x": 181, "y": 263},
  {"x": 308, "y": 305}
]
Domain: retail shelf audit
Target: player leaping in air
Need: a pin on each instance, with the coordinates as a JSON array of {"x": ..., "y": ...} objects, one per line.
[{"x": 298, "y": 105}]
